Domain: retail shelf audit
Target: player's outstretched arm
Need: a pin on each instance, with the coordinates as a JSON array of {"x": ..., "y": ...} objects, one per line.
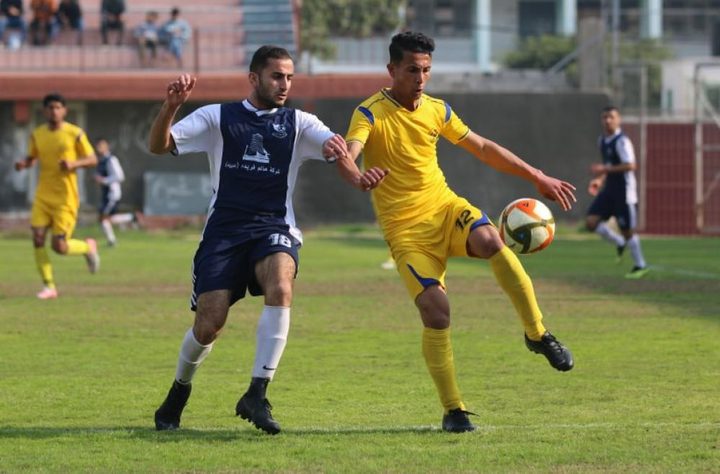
[
  {"x": 506, "y": 161},
  {"x": 349, "y": 171},
  {"x": 176, "y": 94}
]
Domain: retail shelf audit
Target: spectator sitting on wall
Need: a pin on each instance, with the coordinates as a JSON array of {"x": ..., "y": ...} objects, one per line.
[
  {"x": 175, "y": 33},
  {"x": 148, "y": 35},
  {"x": 11, "y": 18},
  {"x": 69, "y": 16},
  {"x": 42, "y": 26},
  {"x": 111, "y": 12}
]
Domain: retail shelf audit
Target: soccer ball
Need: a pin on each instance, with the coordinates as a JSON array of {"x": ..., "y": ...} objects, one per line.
[{"x": 527, "y": 226}]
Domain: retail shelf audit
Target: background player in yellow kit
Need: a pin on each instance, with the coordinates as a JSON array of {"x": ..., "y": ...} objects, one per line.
[
  {"x": 60, "y": 148},
  {"x": 425, "y": 222}
]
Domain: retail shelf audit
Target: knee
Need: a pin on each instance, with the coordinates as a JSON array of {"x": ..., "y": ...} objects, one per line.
[
  {"x": 279, "y": 293},
  {"x": 38, "y": 241},
  {"x": 59, "y": 246},
  {"x": 434, "y": 310},
  {"x": 206, "y": 330},
  {"x": 484, "y": 242},
  {"x": 434, "y": 319}
]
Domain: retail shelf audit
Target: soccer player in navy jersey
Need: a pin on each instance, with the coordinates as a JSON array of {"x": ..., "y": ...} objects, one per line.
[
  {"x": 615, "y": 190},
  {"x": 250, "y": 241},
  {"x": 109, "y": 175}
]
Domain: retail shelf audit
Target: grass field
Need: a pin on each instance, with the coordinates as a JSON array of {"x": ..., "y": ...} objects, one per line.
[{"x": 80, "y": 377}]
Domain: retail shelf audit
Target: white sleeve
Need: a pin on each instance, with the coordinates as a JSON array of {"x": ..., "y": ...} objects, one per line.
[
  {"x": 312, "y": 133},
  {"x": 625, "y": 149},
  {"x": 197, "y": 132},
  {"x": 115, "y": 171}
]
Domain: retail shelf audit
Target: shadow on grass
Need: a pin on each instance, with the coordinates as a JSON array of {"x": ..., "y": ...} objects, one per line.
[{"x": 213, "y": 435}]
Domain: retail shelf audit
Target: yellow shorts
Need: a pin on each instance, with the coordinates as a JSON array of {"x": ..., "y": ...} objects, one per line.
[
  {"x": 421, "y": 252},
  {"x": 61, "y": 218}
]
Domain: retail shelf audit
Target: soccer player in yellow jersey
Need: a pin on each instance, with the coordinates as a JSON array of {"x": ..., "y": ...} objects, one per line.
[
  {"x": 425, "y": 222},
  {"x": 60, "y": 148}
]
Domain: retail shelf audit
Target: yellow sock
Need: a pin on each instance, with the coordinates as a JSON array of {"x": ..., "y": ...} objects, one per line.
[
  {"x": 437, "y": 350},
  {"x": 77, "y": 247},
  {"x": 44, "y": 267},
  {"x": 511, "y": 276}
]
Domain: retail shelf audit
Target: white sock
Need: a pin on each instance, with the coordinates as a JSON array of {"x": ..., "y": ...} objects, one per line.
[
  {"x": 192, "y": 353},
  {"x": 636, "y": 251},
  {"x": 272, "y": 332},
  {"x": 107, "y": 229},
  {"x": 608, "y": 234},
  {"x": 124, "y": 218}
]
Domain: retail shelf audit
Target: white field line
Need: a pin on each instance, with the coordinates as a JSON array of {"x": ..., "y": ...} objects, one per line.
[{"x": 681, "y": 271}]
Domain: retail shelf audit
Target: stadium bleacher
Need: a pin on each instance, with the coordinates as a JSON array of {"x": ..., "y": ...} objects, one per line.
[{"x": 225, "y": 35}]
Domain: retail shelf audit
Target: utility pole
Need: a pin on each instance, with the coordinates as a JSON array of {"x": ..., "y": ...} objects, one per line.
[{"x": 615, "y": 55}]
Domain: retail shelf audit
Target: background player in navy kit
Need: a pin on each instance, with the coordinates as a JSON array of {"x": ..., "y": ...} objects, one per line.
[
  {"x": 109, "y": 175},
  {"x": 615, "y": 190},
  {"x": 250, "y": 241}
]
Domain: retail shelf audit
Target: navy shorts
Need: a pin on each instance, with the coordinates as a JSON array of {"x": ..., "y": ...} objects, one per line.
[
  {"x": 229, "y": 263},
  {"x": 607, "y": 205},
  {"x": 108, "y": 206}
]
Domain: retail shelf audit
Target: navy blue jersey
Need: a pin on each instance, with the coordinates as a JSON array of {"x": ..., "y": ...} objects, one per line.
[
  {"x": 111, "y": 175},
  {"x": 257, "y": 150},
  {"x": 254, "y": 158},
  {"x": 615, "y": 150}
]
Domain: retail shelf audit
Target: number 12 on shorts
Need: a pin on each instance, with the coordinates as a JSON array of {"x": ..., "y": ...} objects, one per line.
[{"x": 280, "y": 239}]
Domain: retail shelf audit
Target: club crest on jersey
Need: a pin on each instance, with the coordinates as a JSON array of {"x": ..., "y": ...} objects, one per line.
[
  {"x": 255, "y": 151},
  {"x": 279, "y": 130},
  {"x": 434, "y": 135}
]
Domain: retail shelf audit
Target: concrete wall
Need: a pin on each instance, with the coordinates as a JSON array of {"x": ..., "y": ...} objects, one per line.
[{"x": 555, "y": 132}]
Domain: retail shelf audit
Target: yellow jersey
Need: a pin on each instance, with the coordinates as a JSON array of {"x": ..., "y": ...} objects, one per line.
[
  {"x": 68, "y": 142},
  {"x": 405, "y": 142}
]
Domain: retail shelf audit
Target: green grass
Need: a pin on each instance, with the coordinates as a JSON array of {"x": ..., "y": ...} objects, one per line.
[{"x": 81, "y": 376}]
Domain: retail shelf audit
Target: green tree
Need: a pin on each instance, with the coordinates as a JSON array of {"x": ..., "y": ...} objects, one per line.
[
  {"x": 322, "y": 19},
  {"x": 540, "y": 52}
]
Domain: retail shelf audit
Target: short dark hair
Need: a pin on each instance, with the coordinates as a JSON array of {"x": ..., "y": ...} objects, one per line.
[
  {"x": 264, "y": 53},
  {"x": 53, "y": 97},
  {"x": 610, "y": 108},
  {"x": 410, "y": 41},
  {"x": 175, "y": 11}
]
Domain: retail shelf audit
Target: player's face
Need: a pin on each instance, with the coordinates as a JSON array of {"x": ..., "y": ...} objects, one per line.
[
  {"x": 410, "y": 76},
  {"x": 102, "y": 147},
  {"x": 55, "y": 113},
  {"x": 272, "y": 85},
  {"x": 610, "y": 121}
]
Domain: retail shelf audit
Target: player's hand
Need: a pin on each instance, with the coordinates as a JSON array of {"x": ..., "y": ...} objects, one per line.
[
  {"x": 598, "y": 169},
  {"x": 334, "y": 148},
  {"x": 594, "y": 186},
  {"x": 371, "y": 178},
  {"x": 98, "y": 179},
  {"x": 556, "y": 190},
  {"x": 66, "y": 165},
  {"x": 20, "y": 165},
  {"x": 179, "y": 90}
]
